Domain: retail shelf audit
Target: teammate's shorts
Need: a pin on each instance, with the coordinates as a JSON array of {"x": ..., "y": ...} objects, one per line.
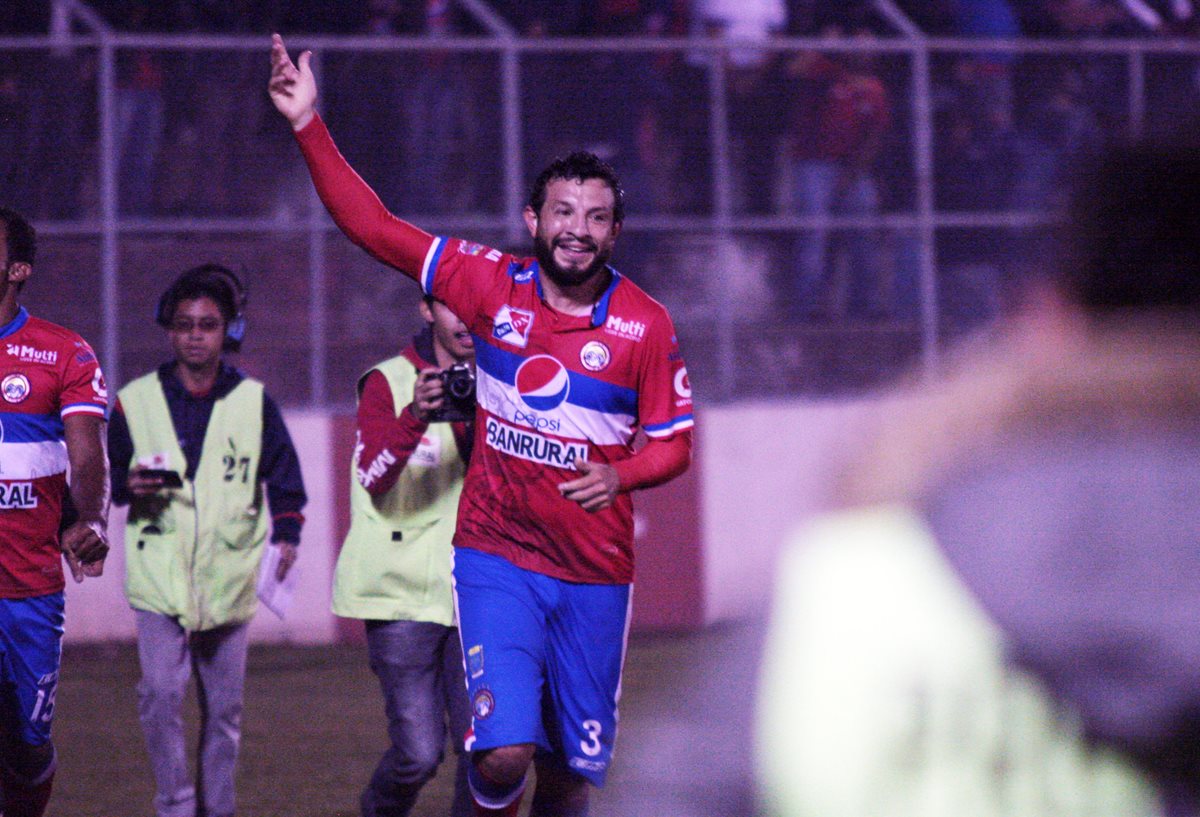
[
  {"x": 30, "y": 651},
  {"x": 543, "y": 659}
]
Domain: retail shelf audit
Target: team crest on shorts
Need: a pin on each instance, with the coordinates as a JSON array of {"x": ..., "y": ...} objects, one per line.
[
  {"x": 483, "y": 704},
  {"x": 15, "y": 387},
  {"x": 595, "y": 356}
]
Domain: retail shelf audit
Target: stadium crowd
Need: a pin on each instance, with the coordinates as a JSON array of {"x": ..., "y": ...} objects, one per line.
[{"x": 826, "y": 132}]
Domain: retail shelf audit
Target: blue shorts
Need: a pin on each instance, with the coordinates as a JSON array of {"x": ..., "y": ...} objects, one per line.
[
  {"x": 31, "y": 633},
  {"x": 543, "y": 660}
]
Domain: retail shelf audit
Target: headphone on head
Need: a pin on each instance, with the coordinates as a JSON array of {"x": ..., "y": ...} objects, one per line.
[{"x": 208, "y": 277}]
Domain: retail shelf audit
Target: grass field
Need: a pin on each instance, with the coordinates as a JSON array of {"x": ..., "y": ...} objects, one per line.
[{"x": 313, "y": 729}]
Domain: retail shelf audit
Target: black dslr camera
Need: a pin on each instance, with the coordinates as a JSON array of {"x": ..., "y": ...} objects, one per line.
[{"x": 458, "y": 395}]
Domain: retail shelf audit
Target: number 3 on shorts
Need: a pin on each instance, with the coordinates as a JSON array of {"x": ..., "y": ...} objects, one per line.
[{"x": 591, "y": 746}]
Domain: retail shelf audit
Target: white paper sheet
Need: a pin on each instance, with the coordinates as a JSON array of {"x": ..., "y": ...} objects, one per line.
[{"x": 274, "y": 594}]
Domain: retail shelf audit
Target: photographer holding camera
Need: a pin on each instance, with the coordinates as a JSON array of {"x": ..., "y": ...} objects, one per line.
[{"x": 394, "y": 568}]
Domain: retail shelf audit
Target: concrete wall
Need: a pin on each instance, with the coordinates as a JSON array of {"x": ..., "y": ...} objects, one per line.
[{"x": 705, "y": 545}]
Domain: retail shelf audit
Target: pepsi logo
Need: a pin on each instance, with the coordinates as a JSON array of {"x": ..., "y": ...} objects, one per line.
[{"x": 543, "y": 383}]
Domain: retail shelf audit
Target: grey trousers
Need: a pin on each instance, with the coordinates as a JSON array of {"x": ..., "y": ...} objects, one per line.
[
  {"x": 168, "y": 655},
  {"x": 420, "y": 669}
]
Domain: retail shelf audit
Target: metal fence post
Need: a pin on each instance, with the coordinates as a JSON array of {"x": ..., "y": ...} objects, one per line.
[
  {"x": 109, "y": 212},
  {"x": 923, "y": 167},
  {"x": 723, "y": 215}
]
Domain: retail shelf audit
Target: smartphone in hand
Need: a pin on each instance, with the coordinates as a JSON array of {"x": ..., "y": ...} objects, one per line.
[{"x": 171, "y": 479}]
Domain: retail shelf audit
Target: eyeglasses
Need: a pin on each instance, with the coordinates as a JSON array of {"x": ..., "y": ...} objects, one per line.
[{"x": 185, "y": 325}]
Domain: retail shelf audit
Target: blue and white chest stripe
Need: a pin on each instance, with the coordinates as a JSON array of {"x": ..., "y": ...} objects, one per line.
[
  {"x": 602, "y": 413},
  {"x": 31, "y": 446}
]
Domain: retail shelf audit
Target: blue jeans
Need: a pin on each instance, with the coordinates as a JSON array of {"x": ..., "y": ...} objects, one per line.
[
  {"x": 420, "y": 669},
  {"x": 168, "y": 653},
  {"x": 821, "y": 188}
]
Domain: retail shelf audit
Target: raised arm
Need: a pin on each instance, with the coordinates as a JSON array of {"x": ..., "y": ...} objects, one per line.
[{"x": 351, "y": 202}]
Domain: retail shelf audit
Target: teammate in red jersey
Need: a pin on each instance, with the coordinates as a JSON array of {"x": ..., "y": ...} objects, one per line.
[
  {"x": 52, "y": 417},
  {"x": 572, "y": 360}
]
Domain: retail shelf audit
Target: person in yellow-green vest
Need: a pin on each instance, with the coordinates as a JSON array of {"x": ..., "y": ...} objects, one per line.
[
  {"x": 414, "y": 440},
  {"x": 191, "y": 446}
]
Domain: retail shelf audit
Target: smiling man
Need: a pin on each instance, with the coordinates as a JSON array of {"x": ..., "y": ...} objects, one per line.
[{"x": 573, "y": 360}]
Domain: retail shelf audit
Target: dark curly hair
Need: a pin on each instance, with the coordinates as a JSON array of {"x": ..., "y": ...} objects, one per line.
[
  {"x": 580, "y": 165},
  {"x": 205, "y": 281}
]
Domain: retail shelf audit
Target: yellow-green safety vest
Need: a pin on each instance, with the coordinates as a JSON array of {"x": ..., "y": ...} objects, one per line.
[
  {"x": 196, "y": 557},
  {"x": 395, "y": 561}
]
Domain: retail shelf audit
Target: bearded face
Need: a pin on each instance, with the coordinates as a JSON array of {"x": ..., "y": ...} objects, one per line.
[
  {"x": 574, "y": 233},
  {"x": 576, "y": 271}
]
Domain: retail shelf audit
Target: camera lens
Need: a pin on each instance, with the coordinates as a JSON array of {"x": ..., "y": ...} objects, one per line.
[{"x": 459, "y": 385}]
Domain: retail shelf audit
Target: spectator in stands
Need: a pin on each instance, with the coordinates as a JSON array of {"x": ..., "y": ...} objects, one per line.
[
  {"x": 442, "y": 122},
  {"x": 752, "y": 81},
  {"x": 976, "y": 170},
  {"x": 1060, "y": 127},
  {"x": 139, "y": 108},
  {"x": 841, "y": 113}
]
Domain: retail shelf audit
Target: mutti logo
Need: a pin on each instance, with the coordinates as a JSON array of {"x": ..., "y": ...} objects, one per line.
[
  {"x": 634, "y": 330},
  {"x": 27, "y": 354}
]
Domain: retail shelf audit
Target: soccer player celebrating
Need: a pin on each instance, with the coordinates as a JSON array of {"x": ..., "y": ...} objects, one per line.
[
  {"x": 52, "y": 419},
  {"x": 572, "y": 360}
]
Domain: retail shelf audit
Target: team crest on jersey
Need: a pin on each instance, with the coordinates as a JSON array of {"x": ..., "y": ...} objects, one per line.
[
  {"x": 469, "y": 248},
  {"x": 512, "y": 325},
  {"x": 595, "y": 356},
  {"x": 483, "y": 704},
  {"x": 15, "y": 387},
  {"x": 542, "y": 382}
]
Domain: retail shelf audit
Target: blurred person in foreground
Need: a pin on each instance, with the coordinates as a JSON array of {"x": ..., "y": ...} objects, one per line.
[
  {"x": 416, "y": 415},
  {"x": 53, "y": 503},
  {"x": 1003, "y": 616},
  {"x": 191, "y": 446},
  {"x": 573, "y": 360}
]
